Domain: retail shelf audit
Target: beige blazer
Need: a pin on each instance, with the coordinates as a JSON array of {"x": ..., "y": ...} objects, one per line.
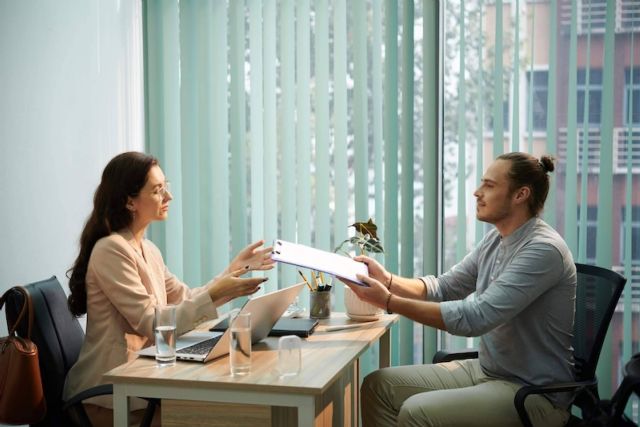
[{"x": 123, "y": 287}]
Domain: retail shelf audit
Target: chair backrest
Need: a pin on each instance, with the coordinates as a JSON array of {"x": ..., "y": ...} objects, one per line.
[
  {"x": 597, "y": 294},
  {"x": 58, "y": 335}
]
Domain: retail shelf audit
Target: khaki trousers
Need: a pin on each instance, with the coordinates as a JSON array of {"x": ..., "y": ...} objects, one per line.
[{"x": 455, "y": 393}]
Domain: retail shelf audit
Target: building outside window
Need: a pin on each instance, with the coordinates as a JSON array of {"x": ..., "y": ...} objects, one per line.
[
  {"x": 539, "y": 93},
  {"x": 592, "y": 16},
  {"x": 635, "y": 235},
  {"x": 594, "y": 89},
  {"x": 632, "y": 96},
  {"x": 591, "y": 229},
  {"x": 605, "y": 162}
]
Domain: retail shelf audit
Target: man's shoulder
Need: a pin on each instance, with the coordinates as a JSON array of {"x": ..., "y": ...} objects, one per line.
[
  {"x": 545, "y": 235},
  {"x": 544, "y": 232}
]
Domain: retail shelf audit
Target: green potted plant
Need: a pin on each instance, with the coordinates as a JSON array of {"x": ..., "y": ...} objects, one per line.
[{"x": 366, "y": 239}]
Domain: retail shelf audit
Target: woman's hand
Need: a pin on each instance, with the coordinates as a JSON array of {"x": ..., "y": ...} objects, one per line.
[
  {"x": 231, "y": 286},
  {"x": 374, "y": 292},
  {"x": 253, "y": 258},
  {"x": 376, "y": 270}
]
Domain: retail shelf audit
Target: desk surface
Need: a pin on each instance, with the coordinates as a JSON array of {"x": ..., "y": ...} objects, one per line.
[{"x": 324, "y": 356}]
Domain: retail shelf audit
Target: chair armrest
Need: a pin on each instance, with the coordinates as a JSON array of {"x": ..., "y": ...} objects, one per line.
[
  {"x": 99, "y": 390},
  {"x": 526, "y": 391},
  {"x": 448, "y": 356},
  {"x": 75, "y": 404}
]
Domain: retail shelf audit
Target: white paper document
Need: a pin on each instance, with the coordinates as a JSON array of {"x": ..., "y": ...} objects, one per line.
[{"x": 319, "y": 260}]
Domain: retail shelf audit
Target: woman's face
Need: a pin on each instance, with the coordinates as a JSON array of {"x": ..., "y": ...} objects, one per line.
[{"x": 152, "y": 204}]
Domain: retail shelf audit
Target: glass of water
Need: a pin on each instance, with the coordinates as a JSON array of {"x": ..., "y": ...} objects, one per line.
[
  {"x": 240, "y": 344},
  {"x": 165, "y": 331},
  {"x": 289, "y": 355}
]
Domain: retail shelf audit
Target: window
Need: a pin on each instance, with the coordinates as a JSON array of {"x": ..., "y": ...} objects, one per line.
[
  {"x": 591, "y": 15},
  {"x": 635, "y": 235},
  {"x": 628, "y": 16},
  {"x": 539, "y": 94},
  {"x": 594, "y": 88},
  {"x": 632, "y": 95},
  {"x": 541, "y": 104},
  {"x": 591, "y": 224},
  {"x": 505, "y": 117}
]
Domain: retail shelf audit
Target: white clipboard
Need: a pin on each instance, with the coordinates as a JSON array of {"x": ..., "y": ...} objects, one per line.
[{"x": 319, "y": 260}]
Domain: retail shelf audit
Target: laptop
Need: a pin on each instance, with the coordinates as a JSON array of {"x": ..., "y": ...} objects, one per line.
[{"x": 203, "y": 346}]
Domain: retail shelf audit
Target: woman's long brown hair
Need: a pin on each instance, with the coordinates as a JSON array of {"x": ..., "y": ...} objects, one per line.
[{"x": 123, "y": 177}]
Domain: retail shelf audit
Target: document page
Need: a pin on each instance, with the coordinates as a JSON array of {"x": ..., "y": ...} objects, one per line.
[{"x": 317, "y": 259}]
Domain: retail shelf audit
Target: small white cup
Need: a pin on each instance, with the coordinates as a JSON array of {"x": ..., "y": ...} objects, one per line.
[
  {"x": 240, "y": 344},
  {"x": 289, "y": 355},
  {"x": 165, "y": 332}
]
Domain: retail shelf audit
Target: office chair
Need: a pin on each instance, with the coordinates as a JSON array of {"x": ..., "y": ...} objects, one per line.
[
  {"x": 597, "y": 293},
  {"x": 610, "y": 413},
  {"x": 58, "y": 336}
]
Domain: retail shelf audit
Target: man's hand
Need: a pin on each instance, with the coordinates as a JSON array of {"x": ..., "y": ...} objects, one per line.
[
  {"x": 376, "y": 270},
  {"x": 374, "y": 292}
]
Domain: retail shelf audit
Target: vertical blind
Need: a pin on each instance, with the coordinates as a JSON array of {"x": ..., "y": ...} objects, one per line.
[
  {"x": 294, "y": 119},
  {"x": 554, "y": 77}
]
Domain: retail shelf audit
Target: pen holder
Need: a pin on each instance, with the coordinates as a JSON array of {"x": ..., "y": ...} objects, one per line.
[{"x": 320, "y": 304}]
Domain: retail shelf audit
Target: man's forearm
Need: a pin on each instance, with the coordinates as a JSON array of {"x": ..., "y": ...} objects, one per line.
[
  {"x": 426, "y": 312},
  {"x": 408, "y": 288}
]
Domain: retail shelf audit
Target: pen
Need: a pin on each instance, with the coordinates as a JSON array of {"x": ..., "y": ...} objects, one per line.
[
  {"x": 305, "y": 280},
  {"x": 322, "y": 278},
  {"x": 315, "y": 280},
  {"x": 340, "y": 327}
]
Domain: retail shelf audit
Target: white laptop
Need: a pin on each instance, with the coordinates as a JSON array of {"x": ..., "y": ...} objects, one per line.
[{"x": 202, "y": 346}]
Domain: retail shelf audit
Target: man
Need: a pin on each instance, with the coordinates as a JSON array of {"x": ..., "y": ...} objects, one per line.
[{"x": 515, "y": 290}]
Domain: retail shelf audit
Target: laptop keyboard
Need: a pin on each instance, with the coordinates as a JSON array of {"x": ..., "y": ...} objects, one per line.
[{"x": 202, "y": 347}]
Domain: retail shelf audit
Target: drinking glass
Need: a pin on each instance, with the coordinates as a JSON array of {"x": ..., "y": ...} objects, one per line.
[
  {"x": 289, "y": 355},
  {"x": 165, "y": 332},
  {"x": 240, "y": 344}
]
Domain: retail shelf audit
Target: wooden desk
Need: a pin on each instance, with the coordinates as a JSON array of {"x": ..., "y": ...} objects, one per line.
[{"x": 324, "y": 393}]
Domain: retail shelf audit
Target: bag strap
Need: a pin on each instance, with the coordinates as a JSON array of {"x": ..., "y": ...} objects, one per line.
[{"x": 27, "y": 308}]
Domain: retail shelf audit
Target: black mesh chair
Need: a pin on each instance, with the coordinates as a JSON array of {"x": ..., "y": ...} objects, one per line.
[
  {"x": 597, "y": 294},
  {"x": 611, "y": 412},
  {"x": 58, "y": 336}
]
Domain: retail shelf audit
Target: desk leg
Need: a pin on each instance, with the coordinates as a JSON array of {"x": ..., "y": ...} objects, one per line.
[
  {"x": 355, "y": 403},
  {"x": 385, "y": 350},
  {"x": 307, "y": 412},
  {"x": 120, "y": 406}
]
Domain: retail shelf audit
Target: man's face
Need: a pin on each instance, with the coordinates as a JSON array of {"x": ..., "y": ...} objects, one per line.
[{"x": 493, "y": 196}]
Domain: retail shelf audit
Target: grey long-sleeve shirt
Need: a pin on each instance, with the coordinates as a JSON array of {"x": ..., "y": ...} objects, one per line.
[{"x": 518, "y": 294}]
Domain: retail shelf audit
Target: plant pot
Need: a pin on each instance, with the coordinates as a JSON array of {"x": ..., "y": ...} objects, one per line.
[{"x": 359, "y": 310}]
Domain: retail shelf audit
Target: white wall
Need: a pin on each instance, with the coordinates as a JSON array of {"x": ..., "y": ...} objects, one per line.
[{"x": 71, "y": 97}]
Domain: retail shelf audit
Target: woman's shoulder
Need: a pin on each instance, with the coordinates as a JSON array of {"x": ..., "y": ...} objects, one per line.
[
  {"x": 112, "y": 242},
  {"x": 110, "y": 252}
]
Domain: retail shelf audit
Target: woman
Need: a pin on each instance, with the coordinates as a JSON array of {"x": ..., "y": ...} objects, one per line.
[{"x": 119, "y": 277}]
